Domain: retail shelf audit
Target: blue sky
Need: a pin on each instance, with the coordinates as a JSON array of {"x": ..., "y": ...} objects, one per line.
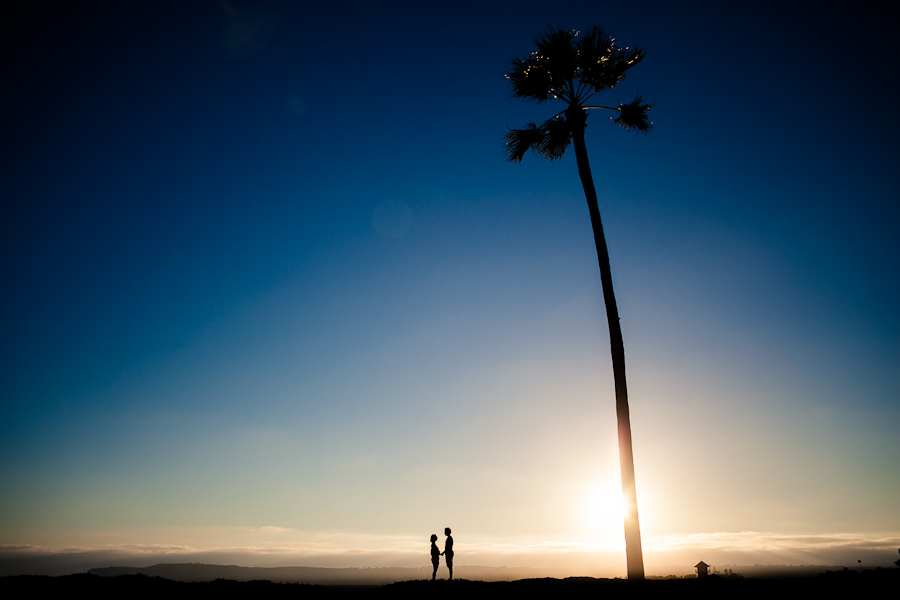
[{"x": 268, "y": 274}]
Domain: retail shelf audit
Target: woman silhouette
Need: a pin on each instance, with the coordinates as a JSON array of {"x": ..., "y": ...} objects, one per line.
[{"x": 435, "y": 556}]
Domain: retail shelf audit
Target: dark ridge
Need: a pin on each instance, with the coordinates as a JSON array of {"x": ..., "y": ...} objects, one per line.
[
  {"x": 142, "y": 586},
  {"x": 848, "y": 583}
]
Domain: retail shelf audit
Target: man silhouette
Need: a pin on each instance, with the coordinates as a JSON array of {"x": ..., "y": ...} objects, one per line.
[{"x": 448, "y": 551}]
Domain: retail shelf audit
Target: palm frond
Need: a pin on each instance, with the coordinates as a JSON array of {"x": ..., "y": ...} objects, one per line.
[
  {"x": 556, "y": 138},
  {"x": 545, "y": 73},
  {"x": 550, "y": 140},
  {"x": 530, "y": 79},
  {"x": 558, "y": 55},
  {"x": 520, "y": 141},
  {"x": 603, "y": 64},
  {"x": 596, "y": 49},
  {"x": 633, "y": 116}
]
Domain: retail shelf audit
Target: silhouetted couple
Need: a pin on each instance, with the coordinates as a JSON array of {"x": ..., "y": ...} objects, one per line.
[{"x": 447, "y": 553}]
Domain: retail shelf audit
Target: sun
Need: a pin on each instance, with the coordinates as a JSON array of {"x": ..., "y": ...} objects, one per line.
[{"x": 603, "y": 509}]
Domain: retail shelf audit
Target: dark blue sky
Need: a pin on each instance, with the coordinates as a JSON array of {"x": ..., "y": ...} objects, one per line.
[{"x": 192, "y": 247}]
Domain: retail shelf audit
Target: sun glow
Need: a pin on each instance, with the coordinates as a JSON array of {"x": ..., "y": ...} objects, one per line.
[{"x": 603, "y": 509}]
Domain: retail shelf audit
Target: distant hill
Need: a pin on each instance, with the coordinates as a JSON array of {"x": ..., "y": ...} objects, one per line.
[
  {"x": 199, "y": 572},
  {"x": 834, "y": 584},
  {"x": 195, "y": 572}
]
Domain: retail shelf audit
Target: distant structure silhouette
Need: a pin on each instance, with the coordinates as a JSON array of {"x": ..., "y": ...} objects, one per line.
[
  {"x": 448, "y": 551},
  {"x": 435, "y": 556},
  {"x": 702, "y": 569}
]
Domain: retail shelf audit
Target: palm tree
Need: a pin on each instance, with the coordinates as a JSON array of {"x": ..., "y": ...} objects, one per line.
[{"x": 573, "y": 67}]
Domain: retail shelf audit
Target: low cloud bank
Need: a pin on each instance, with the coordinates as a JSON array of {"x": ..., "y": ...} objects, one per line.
[{"x": 663, "y": 555}]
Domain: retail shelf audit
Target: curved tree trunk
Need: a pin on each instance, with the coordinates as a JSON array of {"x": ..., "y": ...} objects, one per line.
[{"x": 633, "y": 552}]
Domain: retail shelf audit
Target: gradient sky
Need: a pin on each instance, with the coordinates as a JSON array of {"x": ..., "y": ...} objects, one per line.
[{"x": 271, "y": 289}]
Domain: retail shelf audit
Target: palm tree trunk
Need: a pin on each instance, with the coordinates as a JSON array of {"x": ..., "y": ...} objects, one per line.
[{"x": 633, "y": 553}]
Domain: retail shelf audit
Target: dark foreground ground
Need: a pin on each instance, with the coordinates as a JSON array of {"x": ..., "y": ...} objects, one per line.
[{"x": 849, "y": 584}]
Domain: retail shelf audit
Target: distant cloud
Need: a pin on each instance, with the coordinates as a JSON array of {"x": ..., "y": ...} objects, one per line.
[
  {"x": 20, "y": 548},
  {"x": 155, "y": 548},
  {"x": 756, "y": 541},
  {"x": 273, "y": 529}
]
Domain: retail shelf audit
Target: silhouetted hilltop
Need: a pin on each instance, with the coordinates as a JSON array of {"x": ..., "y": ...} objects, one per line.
[
  {"x": 195, "y": 572},
  {"x": 849, "y": 583},
  {"x": 833, "y": 584},
  {"x": 199, "y": 572},
  {"x": 142, "y": 586},
  {"x": 313, "y": 575}
]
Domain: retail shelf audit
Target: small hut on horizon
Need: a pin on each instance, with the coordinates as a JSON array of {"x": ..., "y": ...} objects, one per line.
[{"x": 702, "y": 569}]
